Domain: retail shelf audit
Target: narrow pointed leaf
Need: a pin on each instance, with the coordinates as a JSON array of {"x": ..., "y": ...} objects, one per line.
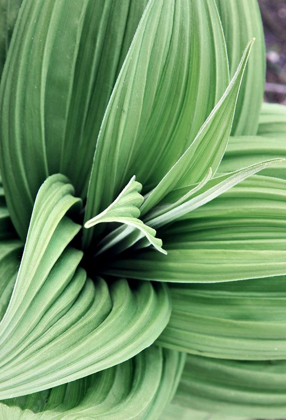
[
  {"x": 208, "y": 147},
  {"x": 170, "y": 53},
  {"x": 241, "y": 21},
  {"x": 244, "y": 151},
  {"x": 206, "y": 246}
]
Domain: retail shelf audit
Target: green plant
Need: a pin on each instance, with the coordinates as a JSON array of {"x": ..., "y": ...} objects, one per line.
[{"x": 107, "y": 281}]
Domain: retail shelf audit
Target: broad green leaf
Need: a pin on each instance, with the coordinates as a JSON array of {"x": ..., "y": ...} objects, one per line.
[
  {"x": 231, "y": 388},
  {"x": 237, "y": 320},
  {"x": 61, "y": 326},
  {"x": 272, "y": 121},
  {"x": 244, "y": 151},
  {"x": 52, "y": 105},
  {"x": 125, "y": 209},
  {"x": 241, "y": 21},
  {"x": 9, "y": 10},
  {"x": 208, "y": 147},
  {"x": 237, "y": 236},
  {"x": 133, "y": 389},
  {"x": 178, "y": 47}
]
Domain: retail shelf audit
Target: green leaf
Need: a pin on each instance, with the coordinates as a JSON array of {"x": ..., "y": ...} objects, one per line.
[
  {"x": 245, "y": 151},
  {"x": 208, "y": 147},
  {"x": 9, "y": 10},
  {"x": 125, "y": 210},
  {"x": 241, "y": 21},
  {"x": 178, "y": 412},
  {"x": 238, "y": 236},
  {"x": 133, "y": 389},
  {"x": 229, "y": 388},
  {"x": 77, "y": 48},
  {"x": 208, "y": 192},
  {"x": 272, "y": 121},
  {"x": 237, "y": 320},
  {"x": 178, "y": 47}
]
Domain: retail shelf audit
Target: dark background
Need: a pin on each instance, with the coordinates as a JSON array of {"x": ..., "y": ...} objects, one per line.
[{"x": 274, "y": 21}]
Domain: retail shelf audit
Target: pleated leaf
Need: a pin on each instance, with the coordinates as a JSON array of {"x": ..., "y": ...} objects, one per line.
[
  {"x": 131, "y": 390},
  {"x": 272, "y": 121},
  {"x": 241, "y": 21},
  {"x": 9, "y": 10},
  {"x": 125, "y": 209},
  {"x": 231, "y": 388},
  {"x": 237, "y": 320},
  {"x": 178, "y": 47},
  {"x": 244, "y": 151},
  {"x": 208, "y": 147},
  {"x": 61, "y": 326},
  {"x": 52, "y": 105},
  {"x": 178, "y": 412},
  {"x": 237, "y": 236}
]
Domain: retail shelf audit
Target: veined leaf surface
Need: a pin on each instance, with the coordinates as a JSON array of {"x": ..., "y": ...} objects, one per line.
[
  {"x": 178, "y": 47},
  {"x": 241, "y": 21},
  {"x": 52, "y": 105}
]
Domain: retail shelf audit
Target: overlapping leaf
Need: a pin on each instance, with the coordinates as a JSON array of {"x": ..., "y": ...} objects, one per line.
[
  {"x": 237, "y": 236},
  {"x": 272, "y": 120},
  {"x": 59, "y": 325},
  {"x": 237, "y": 320},
  {"x": 241, "y": 21},
  {"x": 138, "y": 388},
  {"x": 125, "y": 209},
  {"x": 52, "y": 105},
  {"x": 170, "y": 53},
  {"x": 229, "y": 388}
]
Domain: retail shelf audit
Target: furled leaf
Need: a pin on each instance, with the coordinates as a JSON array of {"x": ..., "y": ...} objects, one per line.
[
  {"x": 237, "y": 320},
  {"x": 241, "y": 21},
  {"x": 231, "y": 388},
  {"x": 129, "y": 390},
  {"x": 59, "y": 325},
  {"x": 208, "y": 147},
  {"x": 52, "y": 105},
  {"x": 9, "y": 10},
  {"x": 234, "y": 237},
  {"x": 178, "y": 47},
  {"x": 272, "y": 121},
  {"x": 125, "y": 209},
  {"x": 178, "y": 412}
]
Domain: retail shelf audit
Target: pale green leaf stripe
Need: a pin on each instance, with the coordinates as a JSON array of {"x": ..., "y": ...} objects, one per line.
[
  {"x": 229, "y": 388},
  {"x": 71, "y": 41},
  {"x": 208, "y": 147},
  {"x": 59, "y": 325},
  {"x": 138, "y": 388},
  {"x": 125, "y": 209},
  {"x": 9, "y": 10},
  {"x": 237, "y": 320},
  {"x": 206, "y": 246},
  {"x": 272, "y": 120},
  {"x": 241, "y": 21},
  {"x": 170, "y": 53}
]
